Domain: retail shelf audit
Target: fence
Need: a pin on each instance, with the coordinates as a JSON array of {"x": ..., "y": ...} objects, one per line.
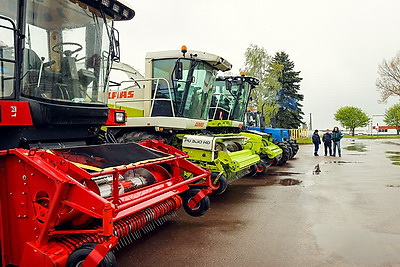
[{"x": 297, "y": 134}]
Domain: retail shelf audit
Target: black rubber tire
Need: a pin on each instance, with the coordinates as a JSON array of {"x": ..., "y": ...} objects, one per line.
[
  {"x": 138, "y": 137},
  {"x": 201, "y": 207},
  {"x": 222, "y": 184},
  {"x": 295, "y": 147},
  {"x": 252, "y": 170},
  {"x": 261, "y": 167},
  {"x": 285, "y": 154},
  {"x": 81, "y": 252},
  {"x": 291, "y": 153}
]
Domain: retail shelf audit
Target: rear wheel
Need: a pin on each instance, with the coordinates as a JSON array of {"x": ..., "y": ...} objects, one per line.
[
  {"x": 291, "y": 152},
  {"x": 252, "y": 170},
  {"x": 285, "y": 154},
  {"x": 79, "y": 255},
  {"x": 221, "y": 184},
  {"x": 200, "y": 208},
  {"x": 261, "y": 167},
  {"x": 295, "y": 147}
]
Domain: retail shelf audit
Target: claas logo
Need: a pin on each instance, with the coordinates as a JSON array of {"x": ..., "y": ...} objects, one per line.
[
  {"x": 199, "y": 124},
  {"x": 121, "y": 94}
]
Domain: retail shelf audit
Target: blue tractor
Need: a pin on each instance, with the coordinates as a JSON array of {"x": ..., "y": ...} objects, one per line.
[{"x": 255, "y": 121}]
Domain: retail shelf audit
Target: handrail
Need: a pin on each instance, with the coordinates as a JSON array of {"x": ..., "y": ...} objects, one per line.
[
  {"x": 3, "y": 77},
  {"x": 148, "y": 99},
  {"x": 217, "y": 106}
]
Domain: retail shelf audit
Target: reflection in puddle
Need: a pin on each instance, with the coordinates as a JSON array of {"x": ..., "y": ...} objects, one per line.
[
  {"x": 357, "y": 147},
  {"x": 392, "y": 143},
  {"x": 393, "y": 152},
  {"x": 393, "y": 185},
  {"x": 340, "y": 162},
  {"x": 395, "y": 157},
  {"x": 284, "y": 173},
  {"x": 289, "y": 182}
]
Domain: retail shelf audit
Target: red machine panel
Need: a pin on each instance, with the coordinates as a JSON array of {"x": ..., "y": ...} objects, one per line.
[{"x": 13, "y": 113}]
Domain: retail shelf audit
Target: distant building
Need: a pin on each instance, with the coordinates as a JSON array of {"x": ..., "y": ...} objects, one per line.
[{"x": 377, "y": 126}]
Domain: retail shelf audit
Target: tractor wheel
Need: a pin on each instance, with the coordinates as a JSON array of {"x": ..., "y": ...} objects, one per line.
[
  {"x": 138, "y": 137},
  {"x": 200, "y": 208},
  {"x": 291, "y": 152},
  {"x": 261, "y": 167},
  {"x": 252, "y": 170},
  {"x": 295, "y": 147},
  {"x": 80, "y": 253},
  {"x": 222, "y": 184},
  {"x": 285, "y": 154}
]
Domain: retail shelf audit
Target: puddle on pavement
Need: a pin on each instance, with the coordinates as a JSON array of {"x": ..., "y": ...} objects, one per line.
[
  {"x": 357, "y": 147},
  {"x": 394, "y": 156},
  {"x": 340, "y": 162},
  {"x": 393, "y": 185},
  {"x": 289, "y": 182},
  {"x": 284, "y": 173},
  {"x": 392, "y": 143},
  {"x": 393, "y": 152}
]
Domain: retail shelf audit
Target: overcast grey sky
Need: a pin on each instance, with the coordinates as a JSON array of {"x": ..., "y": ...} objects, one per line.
[{"x": 337, "y": 45}]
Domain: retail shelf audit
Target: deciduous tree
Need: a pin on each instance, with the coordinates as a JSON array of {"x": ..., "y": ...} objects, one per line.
[
  {"x": 351, "y": 118},
  {"x": 392, "y": 117},
  {"x": 388, "y": 82},
  {"x": 258, "y": 64}
]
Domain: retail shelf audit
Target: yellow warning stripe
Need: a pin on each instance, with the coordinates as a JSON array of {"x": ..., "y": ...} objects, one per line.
[
  {"x": 96, "y": 169},
  {"x": 87, "y": 167},
  {"x": 139, "y": 162}
]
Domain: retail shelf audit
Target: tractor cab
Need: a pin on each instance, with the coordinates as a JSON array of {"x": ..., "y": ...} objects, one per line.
[
  {"x": 230, "y": 99},
  {"x": 55, "y": 59},
  {"x": 175, "y": 92},
  {"x": 254, "y": 119}
]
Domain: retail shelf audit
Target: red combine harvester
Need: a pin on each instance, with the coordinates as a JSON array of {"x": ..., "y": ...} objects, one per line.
[{"x": 65, "y": 200}]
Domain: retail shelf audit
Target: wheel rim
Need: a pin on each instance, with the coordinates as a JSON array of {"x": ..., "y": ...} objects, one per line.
[
  {"x": 195, "y": 208},
  {"x": 260, "y": 169}
]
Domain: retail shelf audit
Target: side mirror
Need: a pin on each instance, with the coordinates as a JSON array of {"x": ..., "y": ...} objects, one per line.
[
  {"x": 228, "y": 85},
  {"x": 262, "y": 122},
  {"x": 115, "y": 51},
  {"x": 178, "y": 70}
]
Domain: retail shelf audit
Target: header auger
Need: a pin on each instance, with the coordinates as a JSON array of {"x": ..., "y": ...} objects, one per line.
[{"x": 60, "y": 206}]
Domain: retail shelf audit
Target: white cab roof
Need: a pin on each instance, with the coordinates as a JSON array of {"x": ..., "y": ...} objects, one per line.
[{"x": 214, "y": 60}]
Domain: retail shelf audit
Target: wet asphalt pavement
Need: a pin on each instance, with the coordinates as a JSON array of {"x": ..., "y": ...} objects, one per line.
[{"x": 347, "y": 215}]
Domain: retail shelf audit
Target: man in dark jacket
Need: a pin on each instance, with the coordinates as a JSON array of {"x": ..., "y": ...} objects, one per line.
[
  {"x": 327, "y": 139},
  {"x": 336, "y": 136},
  {"x": 316, "y": 141}
]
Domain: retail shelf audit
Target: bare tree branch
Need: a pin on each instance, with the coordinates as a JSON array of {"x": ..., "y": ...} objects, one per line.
[{"x": 388, "y": 82}]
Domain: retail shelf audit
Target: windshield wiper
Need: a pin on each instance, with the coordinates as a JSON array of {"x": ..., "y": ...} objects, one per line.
[
  {"x": 189, "y": 80},
  {"x": 237, "y": 97}
]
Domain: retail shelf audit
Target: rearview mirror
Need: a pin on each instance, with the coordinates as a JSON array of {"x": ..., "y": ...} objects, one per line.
[
  {"x": 262, "y": 122},
  {"x": 178, "y": 70},
  {"x": 115, "y": 51},
  {"x": 228, "y": 85}
]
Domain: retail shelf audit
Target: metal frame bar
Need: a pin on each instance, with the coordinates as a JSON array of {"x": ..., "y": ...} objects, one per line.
[{"x": 146, "y": 99}]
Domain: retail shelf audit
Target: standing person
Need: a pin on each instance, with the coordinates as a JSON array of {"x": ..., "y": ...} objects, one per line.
[
  {"x": 327, "y": 139},
  {"x": 336, "y": 136},
  {"x": 316, "y": 141}
]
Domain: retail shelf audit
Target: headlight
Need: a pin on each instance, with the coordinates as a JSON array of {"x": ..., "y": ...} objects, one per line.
[{"x": 120, "y": 117}]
